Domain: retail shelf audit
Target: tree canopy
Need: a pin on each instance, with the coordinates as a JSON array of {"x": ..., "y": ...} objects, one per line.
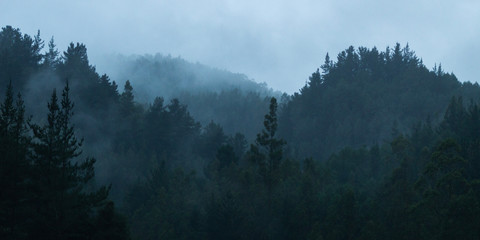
[{"x": 374, "y": 146}]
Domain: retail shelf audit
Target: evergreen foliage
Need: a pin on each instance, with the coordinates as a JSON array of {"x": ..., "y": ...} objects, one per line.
[
  {"x": 15, "y": 168},
  {"x": 393, "y": 153},
  {"x": 46, "y": 191},
  {"x": 356, "y": 100}
]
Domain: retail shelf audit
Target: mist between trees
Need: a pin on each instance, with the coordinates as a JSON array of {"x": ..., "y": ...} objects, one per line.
[{"x": 374, "y": 146}]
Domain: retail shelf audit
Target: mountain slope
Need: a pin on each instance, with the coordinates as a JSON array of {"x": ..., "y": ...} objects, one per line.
[
  {"x": 230, "y": 99},
  {"x": 158, "y": 75},
  {"x": 363, "y": 96}
]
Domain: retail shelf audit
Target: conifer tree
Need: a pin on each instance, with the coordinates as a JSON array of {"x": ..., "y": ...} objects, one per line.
[
  {"x": 63, "y": 206},
  {"x": 268, "y": 149},
  {"x": 14, "y": 168},
  {"x": 327, "y": 65},
  {"x": 19, "y": 56},
  {"x": 127, "y": 100},
  {"x": 50, "y": 58}
]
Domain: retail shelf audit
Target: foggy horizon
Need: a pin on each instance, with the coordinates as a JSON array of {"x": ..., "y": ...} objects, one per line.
[{"x": 277, "y": 43}]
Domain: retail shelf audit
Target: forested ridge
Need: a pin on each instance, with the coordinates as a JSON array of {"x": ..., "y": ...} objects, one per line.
[
  {"x": 359, "y": 98},
  {"x": 374, "y": 146}
]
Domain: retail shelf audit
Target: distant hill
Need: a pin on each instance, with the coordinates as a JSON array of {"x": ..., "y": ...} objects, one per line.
[
  {"x": 159, "y": 75},
  {"x": 365, "y": 97},
  {"x": 230, "y": 99}
]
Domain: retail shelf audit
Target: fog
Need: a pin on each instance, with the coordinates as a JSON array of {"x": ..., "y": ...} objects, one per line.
[
  {"x": 277, "y": 42},
  {"x": 158, "y": 75},
  {"x": 194, "y": 136}
]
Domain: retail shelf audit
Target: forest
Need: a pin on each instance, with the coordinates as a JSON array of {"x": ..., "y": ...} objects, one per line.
[{"x": 374, "y": 146}]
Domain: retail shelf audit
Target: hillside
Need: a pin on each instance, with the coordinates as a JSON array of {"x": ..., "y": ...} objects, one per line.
[
  {"x": 230, "y": 99},
  {"x": 364, "y": 96},
  {"x": 375, "y": 146},
  {"x": 158, "y": 75}
]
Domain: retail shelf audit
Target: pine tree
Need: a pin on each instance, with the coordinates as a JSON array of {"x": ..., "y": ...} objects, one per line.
[
  {"x": 19, "y": 56},
  {"x": 327, "y": 65},
  {"x": 50, "y": 58},
  {"x": 267, "y": 152},
  {"x": 76, "y": 56},
  {"x": 63, "y": 206},
  {"x": 14, "y": 168},
  {"x": 127, "y": 100}
]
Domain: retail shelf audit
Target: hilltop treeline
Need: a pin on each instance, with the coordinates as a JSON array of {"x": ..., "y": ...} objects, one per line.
[
  {"x": 359, "y": 98},
  {"x": 375, "y": 146}
]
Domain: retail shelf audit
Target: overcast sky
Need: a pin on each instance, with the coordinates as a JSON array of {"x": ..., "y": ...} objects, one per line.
[{"x": 277, "y": 42}]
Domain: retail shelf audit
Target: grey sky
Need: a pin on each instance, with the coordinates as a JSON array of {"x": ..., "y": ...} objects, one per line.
[{"x": 278, "y": 42}]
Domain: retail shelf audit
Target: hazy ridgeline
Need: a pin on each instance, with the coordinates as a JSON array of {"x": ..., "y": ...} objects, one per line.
[
  {"x": 230, "y": 99},
  {"x": 167, "y": 76},
  {"x": 374, "y": 146}
]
